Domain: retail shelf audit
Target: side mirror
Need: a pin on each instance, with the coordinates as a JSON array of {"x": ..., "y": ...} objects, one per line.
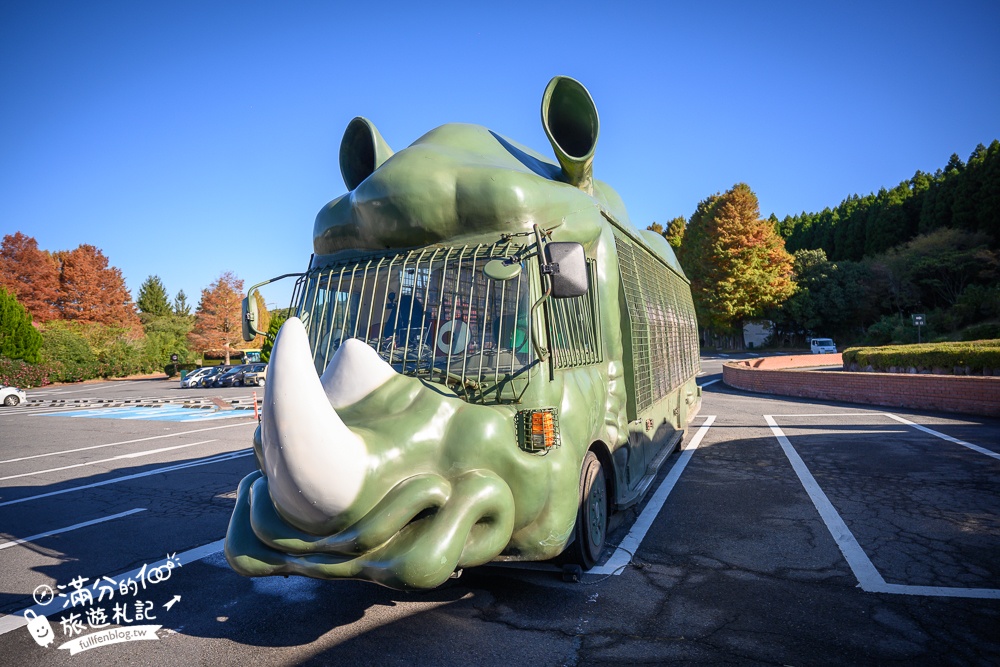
[
  {"x": 566, "y": 264},
  {"x": 250, "y": 318}
]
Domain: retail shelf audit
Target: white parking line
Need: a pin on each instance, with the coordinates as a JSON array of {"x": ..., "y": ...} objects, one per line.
[
  {"x": 868, "y": 577},
  {"x": 218, "y": 458},
  {"x": 126, "y": 442},
  {"x": 135, "y": 455},
  {"x": 628, "y": 546},
  {"x": 963, "y": 443},
  {"x": 57, "y": 531},
  {"x": 75, "y": 390},
  {"x": 710, "y": 382}
]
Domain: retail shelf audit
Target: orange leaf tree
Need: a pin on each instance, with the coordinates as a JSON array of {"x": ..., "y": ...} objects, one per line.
[
  {"x": 92, "y": 291},
  {"x": 217, "y": 324},
  {"x": 737, "y": 262},
  {"x": 30, "y": 274}
]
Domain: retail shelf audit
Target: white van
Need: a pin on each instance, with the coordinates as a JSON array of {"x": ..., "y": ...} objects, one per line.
[{"x": 822, "y": 346}]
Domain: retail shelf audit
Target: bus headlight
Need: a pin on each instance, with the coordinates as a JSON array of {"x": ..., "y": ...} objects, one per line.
[{"x": 538, "y": 430}]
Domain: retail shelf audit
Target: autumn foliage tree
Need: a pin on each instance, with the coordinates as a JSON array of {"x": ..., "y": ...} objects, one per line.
[
  {"x": 30, "y": 274},
  {"x": 92, "y": 291},
  {"x": 217, "y": 325},
  {"x": 737, "y": 263}
]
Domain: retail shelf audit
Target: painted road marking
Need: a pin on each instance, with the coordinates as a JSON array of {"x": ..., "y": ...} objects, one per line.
[
  {"x": 868, "y": 577},
  {"x": 171, "y": 413},
  {"x": 218, "y": 458},
  {"x": 710, "y": 382},
  {"x": 18, "y": 620},
  {"x": 975, "y": 448},
  {"x": 630, "y": 544},
  {"x": 124, "y": 442},
  {"x": 57, "y": 531},
  {"x": 135, "y": 455}
]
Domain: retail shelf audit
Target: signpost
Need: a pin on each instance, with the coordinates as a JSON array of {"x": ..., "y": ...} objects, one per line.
[{"x": 918, "y": 321}]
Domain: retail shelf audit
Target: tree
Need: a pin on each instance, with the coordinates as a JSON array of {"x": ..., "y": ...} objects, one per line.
[
  {"x": 675, "y": 232},
  {"x": 18, "y": 338},
  {"x": 263, "y": 319},
  {"x": 830, "y": 299},
  {"x": 277, "y": 319},
  {"x": 943, "y": 263},
  {"x": 93, "y": 291},
  {"x": 217, "y": 325},
  {"x": 181, "y": 305},
  {"x": 153, "y": 297},
  {"x": 30, "y": 274},
  {"x": 737, "y": 262}
]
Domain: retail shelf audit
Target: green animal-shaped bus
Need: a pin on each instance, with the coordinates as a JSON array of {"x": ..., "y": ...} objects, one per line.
[{"x": 486, "y": 360}]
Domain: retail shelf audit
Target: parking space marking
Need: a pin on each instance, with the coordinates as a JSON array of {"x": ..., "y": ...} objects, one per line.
[
  {"x": 630, "y": 544},
  {"x": 123, "y": 442},
  {"x": 963, "y": 443},
  {"x": 172, "y": 413},
  {"x": 868, "y": 577},
  {"x": 218, "y": 458},
  {"x": 134, "y": 455},
  {"x": 57, "y": 531}
]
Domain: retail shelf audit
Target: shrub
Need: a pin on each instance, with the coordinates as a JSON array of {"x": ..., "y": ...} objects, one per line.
[
  {"x": 17, "y": 373},
  {"x": 173, "y": 369},
  {"x": 68, "y": 355},
  {"x": 976, "y": 356}
]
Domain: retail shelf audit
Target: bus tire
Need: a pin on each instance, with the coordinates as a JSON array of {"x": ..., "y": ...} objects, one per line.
[{"x": 592, "y": 517}]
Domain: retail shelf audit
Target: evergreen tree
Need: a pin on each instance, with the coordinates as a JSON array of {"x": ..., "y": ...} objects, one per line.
[
  {"x": 153, "y": 298},
  {"x": 675, "y": 232},
  {"x": 277, "y": 320},
  {"x": 18, "y": 338},
  {"x": 181, "y": 305}
]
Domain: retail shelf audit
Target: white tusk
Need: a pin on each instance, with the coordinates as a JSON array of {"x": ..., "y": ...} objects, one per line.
[
  {"x": 315, "y": 465},
  {"x": 355, "y": 371}
]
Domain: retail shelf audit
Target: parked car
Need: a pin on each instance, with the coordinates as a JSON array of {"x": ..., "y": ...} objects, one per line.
[
  {"x": 11, "y": 396},
  {"x": 256, "y": 375},
  {"x": 193, "y": 379},
  {"x": 822, "y": 346},
  {"x": 231, "y": 378},
  {"x": 208, "y": 379}
]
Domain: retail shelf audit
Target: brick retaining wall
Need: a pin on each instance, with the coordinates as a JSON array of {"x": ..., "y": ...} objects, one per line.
[{"x": 947, "y": 393}]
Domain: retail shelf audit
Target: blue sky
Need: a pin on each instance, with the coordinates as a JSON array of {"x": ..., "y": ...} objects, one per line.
[{"x": 185, "y": 139}]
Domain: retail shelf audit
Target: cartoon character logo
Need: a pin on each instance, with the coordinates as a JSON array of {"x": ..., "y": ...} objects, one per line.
[{"x": 39, "y": 628}]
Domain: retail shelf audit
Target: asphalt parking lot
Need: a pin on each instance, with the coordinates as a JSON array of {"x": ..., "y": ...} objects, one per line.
[{"x": 785, "y": 532}]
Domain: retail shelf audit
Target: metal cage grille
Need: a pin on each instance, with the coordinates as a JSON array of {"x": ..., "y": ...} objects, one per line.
[
  {"x": 430, "y": 313},
  {"x": 664, "y": 329},
  {"x": 574, "y": 337}
]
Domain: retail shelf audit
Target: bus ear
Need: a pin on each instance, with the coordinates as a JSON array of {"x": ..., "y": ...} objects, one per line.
[
  {"x": 569, "y": 117},
  {"x": 362, "y": 151}
]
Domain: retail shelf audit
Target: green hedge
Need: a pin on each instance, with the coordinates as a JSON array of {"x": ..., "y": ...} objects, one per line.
[{"x": 966, "y": 357}]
